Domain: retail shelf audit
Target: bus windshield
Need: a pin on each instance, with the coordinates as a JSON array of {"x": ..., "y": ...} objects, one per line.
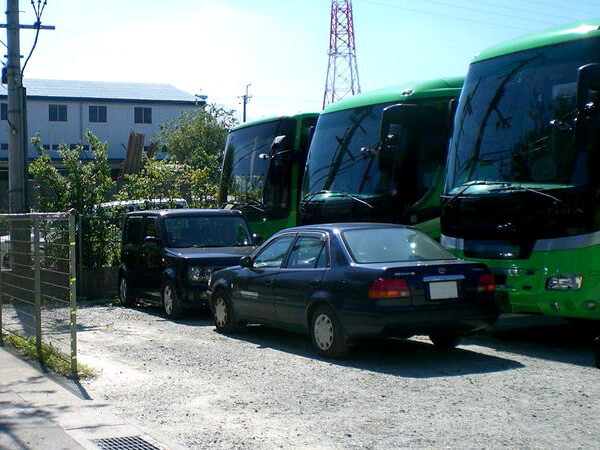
[
  {"x": 515, "y": 119},
  {"x": 345, "y": 157},
  {"x": 336, "y": 162},
  {"x": 248, "y": 178}
]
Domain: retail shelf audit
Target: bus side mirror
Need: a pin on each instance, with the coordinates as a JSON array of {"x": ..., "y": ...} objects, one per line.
[
  {"x": 452, "y": 108},
  {"x": 588, "y": 80},
  {"x": 394, "y": 120}
]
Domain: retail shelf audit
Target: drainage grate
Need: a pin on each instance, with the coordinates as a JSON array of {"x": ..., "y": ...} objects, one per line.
[{"x": 124, "y": 443}]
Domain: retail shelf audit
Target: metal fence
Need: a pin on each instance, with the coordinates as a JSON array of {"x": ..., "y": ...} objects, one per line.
[{"x": 38, "y": 281}]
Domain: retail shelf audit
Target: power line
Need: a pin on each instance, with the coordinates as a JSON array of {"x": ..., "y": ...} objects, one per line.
[
  {"x": 468, "y": 8},
  {"x": 447, "y": 16},
  {"x": 526, "y": 11},
  {"x": 558, "y": 7}
]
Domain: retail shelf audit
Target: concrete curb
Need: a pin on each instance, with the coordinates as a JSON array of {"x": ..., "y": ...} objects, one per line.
[{"x": 37, "y": 412}]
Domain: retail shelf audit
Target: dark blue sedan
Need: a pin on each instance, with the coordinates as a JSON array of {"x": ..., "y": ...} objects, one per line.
[{"x": 341, "y": 282}]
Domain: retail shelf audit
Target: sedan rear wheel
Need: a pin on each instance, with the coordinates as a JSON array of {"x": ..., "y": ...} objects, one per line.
[
  {"x": 327, "y": 334},
  {"x": 445, "y": 340}
]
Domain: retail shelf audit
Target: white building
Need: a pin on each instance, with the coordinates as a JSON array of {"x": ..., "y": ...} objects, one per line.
[{"x": 60, "y": 111}]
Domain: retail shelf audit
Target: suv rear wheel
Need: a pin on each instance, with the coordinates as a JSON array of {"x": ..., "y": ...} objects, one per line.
[{"x": 125, "y": 296}]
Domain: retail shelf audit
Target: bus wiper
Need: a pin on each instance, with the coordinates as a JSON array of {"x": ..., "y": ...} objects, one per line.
[
  {"x": 309, "y": 198},
  {"x": 520, "y": 187},
  {"x": 238, "y": 205},
  {"x": 470, "y": 184}
]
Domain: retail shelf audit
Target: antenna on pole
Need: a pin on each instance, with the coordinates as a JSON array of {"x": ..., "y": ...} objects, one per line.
[
  {"x": 245, "y": 99},
  {"x": 342, "y": 69}
]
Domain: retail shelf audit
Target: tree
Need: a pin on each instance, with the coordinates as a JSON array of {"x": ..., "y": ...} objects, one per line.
[
  {"x": 82, "y": 186},
  {"x": 165, "y": 180},
  {"x": 198, "y": 138}
]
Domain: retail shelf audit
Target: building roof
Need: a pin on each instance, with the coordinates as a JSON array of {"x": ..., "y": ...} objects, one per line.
[
  {"x": 443, "y": 87},
  {"x": 551, "y": 36},
  {"x": 107, "y": 91}
]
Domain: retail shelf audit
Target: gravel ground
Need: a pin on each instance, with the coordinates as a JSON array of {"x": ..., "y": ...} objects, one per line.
[{"x": 527, "y": 383}]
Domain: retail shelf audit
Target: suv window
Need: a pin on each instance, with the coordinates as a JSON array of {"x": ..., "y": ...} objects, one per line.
[
  {"x": 272, "y": 255},
  {"x": 151, "y": 227},
  {"x": 306, "y": 253},
  {"x": 134, "y": 231}
]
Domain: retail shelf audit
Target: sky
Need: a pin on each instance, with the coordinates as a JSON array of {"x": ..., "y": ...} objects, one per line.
[{"x": 217, "y": 47}]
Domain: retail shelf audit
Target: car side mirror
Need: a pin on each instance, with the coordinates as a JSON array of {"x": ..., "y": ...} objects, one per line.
[
  {"x": 257, "y": 239},
  {"x": 246, "y": 261},
  {"x": 588, "y": 81},
  {"x": 152, "y": 241}
]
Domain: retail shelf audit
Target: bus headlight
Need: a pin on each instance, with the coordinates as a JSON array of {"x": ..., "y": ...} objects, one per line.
[{"x": 564, "y": 282}]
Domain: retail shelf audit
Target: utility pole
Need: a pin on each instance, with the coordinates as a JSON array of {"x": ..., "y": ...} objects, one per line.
[
  {"x": 245, "y": 99},
  {"x": 17, "y": 118},
  {"x": 17, "y": 156}
]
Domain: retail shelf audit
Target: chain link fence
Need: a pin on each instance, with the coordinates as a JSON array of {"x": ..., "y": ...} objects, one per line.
[{"x": 38, "y": 282}]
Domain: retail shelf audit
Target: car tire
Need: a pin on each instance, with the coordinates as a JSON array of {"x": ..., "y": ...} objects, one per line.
[
  {"x": 170, "y": 301},
  {"x": 223, "y": 314},
  {"x": 327, "y": 334},
  {"x": 445, "y": 341},
  {"x": 125, "y": 296}
]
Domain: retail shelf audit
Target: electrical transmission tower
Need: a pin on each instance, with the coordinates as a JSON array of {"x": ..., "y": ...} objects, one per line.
[{"x": 342, "y": 70}]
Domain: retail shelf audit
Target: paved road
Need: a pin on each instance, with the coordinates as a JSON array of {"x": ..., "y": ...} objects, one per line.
[{"x": 528, "y": 383}]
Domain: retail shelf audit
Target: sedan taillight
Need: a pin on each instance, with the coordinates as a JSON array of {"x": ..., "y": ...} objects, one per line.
[
  {"x": 382, "y": 288},
  {"x": 486, "y": 283}
]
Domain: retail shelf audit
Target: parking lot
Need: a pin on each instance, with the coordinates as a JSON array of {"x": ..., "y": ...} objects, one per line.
[{"x": 528, "y": 382}]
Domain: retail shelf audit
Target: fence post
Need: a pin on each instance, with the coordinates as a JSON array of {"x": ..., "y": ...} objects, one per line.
[
  {"x": 1, "y": 295},
  {"x": 73, "y": 297},
  {"x": 80, "y": 254},
  {"x": 37, "y": 286}
]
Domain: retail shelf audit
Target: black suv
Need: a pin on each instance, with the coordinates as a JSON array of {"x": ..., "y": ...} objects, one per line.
[{"x": 167, "y": 257}]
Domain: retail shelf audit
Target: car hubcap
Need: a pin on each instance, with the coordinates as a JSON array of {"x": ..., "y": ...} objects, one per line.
[
  {"x": 220, "y": 312},
  {"x": 323, "y": 332},
  {"x": 123, "y": 290},
  {"x": 168, "y": 299}
]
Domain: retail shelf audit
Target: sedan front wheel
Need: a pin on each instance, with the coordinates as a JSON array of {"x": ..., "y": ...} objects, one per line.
[
  {"x": 223, "y": 314},
  {"x": 327, "y": 334}
]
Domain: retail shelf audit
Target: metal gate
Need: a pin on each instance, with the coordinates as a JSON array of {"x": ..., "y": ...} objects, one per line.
[{"x": 38, "y": 282}]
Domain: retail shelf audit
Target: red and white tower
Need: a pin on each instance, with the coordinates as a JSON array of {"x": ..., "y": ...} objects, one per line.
[{"x": 342, "y": 70}]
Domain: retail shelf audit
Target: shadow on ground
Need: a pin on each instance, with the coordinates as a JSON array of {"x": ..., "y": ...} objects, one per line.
[
  {"x": 405, "y": 358},
  {"x": 542, "y": 337}
]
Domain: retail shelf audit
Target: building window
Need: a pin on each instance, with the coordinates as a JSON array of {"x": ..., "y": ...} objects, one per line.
[
  {"x": 97, "y": 113},
  {"x": 86, "y": 148},
  {"x": 142, "y": 115},
  {"x": 57, "y": 113},
  {"x": 46, "y": 146},
  {"x": 3, "y": 111},
  {"x": 3, "y": 146},
  {"x": 54, "y": 147}
]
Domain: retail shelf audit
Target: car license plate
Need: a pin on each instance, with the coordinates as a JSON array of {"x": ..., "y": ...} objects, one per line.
[{"x": 443, "y": 290}]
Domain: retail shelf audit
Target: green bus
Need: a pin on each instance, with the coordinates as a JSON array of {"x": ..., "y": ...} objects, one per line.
[
  {"x": 522, "y": 186},
  {"x": 262, "y": 170},
  {"x": 379, "y": 157}
]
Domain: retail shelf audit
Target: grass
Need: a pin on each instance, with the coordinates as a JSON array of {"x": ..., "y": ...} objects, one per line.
[{"x": 50, "y": 356}]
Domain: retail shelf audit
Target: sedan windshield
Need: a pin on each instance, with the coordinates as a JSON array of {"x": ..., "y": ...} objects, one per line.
[
  {"x": 185, "y": 232},
  {"x": 515, "y": 118},
  {"x": 384, "y": 245}
]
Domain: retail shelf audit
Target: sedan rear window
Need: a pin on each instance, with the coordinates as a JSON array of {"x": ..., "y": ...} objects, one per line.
[{"x": 383, "y": 245}]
